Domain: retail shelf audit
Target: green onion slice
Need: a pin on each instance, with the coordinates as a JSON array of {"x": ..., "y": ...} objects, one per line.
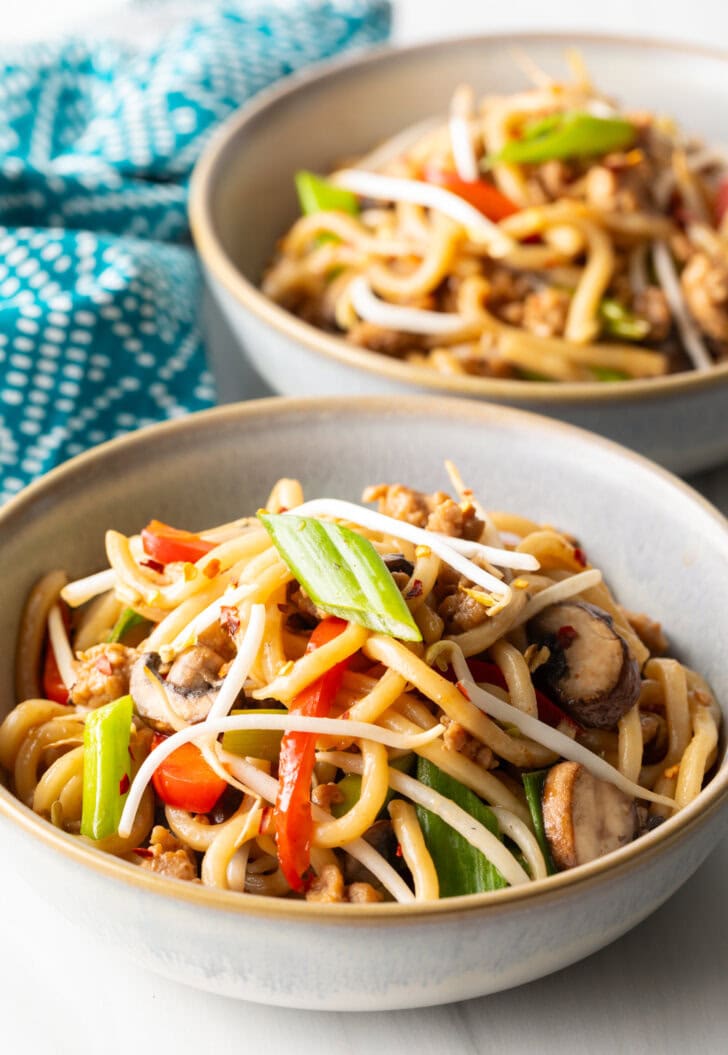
[
  {"x": 106, "y": 767},
  {"x": 342, "y": 573},
  {"x": 533, "y": 786},
  {"x": 319, "y": 195},
  {"x": 567, "y": 135},
  {"x": 126, "y": 622}
]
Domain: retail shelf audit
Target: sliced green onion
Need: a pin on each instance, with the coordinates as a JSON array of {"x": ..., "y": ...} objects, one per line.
[
  {"x": 126, "y": 622},
  {"x": 319, "y": 195},
  {"x": 342, "y": 573},
  {"x": 350, "y": 787},
  {"x": 607, "y": 373},
  {"x": 533, "y": 785},
  {"x": 567, "y": 135},
  {"x": 618, "y": 321},
  {"x": 106, "y": 767},
  {"x": 255, "y": 743},
  {"x": 461, "y": 868}
]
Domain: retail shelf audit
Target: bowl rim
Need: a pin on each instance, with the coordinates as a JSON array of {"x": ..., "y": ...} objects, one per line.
[
  {"x": 219, "y": 265},
  {"x": 712, "y": 799}
]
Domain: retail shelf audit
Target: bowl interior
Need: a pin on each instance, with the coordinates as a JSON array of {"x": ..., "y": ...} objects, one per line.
[
  {"x": 326, "y": 120},
  {"x": 663, "y": 550}
]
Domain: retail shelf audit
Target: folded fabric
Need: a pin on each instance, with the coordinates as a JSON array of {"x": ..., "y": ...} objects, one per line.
[{"x": 99, "y": 288}]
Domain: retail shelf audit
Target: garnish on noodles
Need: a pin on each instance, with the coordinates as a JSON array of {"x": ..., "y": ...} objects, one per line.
[
  {"x": 339, "y": 703},
  {"x": 545, "y": 235}
]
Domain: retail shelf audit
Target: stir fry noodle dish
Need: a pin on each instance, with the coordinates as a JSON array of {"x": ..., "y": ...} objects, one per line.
[
  {"x": 401, "y": 700},
  {"x": 546, "y": 235}
]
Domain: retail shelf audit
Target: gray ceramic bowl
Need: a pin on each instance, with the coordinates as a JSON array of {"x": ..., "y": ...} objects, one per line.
[
  {"x": 243, "y": 200},
  {"x": 663, "y": 548}
]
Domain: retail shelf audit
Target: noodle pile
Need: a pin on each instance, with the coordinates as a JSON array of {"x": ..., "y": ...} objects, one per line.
[
  {"x": 464, "y": 701},
  {"x": 592, "y": 262}
]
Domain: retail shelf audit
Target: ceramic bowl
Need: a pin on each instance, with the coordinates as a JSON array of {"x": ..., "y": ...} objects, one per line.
[
  {"x": 664, "y": 550},
  {"x": 243, "y": 200}
]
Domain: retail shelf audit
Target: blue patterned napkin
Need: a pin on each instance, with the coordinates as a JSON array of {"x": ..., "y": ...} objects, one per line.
[{"x": 99, "y": 289}]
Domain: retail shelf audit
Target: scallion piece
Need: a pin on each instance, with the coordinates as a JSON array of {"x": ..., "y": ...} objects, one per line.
[
  {"x": 618, "y": 321},
  {"x": 342, "y": 573},
  {"x": 126, "y": 622},
  {"x": 567, "y": 135},
  {"x": 460, "y": 868},
  {"x": 533, "y": 786},
  {"x": 318, "y": 195},
  {"x": 350, "y": 787},
  {"x": 106, "y": 767},
  {"x": 255, "y": 743}
]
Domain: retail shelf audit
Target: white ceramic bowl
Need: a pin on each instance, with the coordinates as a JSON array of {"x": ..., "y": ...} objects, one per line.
[
  {"x": 662, "y": 547},
  {"x": 243, "y": 200}
]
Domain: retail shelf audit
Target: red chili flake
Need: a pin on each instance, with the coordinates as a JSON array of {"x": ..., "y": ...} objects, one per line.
[
  {"x": 282, "y": 607},
  {"x": 124, "y": 784},
  {"x": 580, "y": 556},
  {"x": 462, "y": 690},
  {"x": 212, "y": 568},
  {"x": 566, "y": 635},
  {"x": 398, "y": 851},
  {"x": 266, "y": 821},
  {"x": 229, "y": 620},
  {"x": 415, "y": 590},
  {"x": 131, "y": 754},
  {"x": 283, "y": 509},
  {"x": 153, "y": 564},
  {"x": 142, "y": 851},
  {"x": 103, "y": 666}
]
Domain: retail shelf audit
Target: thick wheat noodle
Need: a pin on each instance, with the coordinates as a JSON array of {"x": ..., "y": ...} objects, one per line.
[
  {"x": 50, "y": 786},
  {"x": 481, "y": 781},
  {"x": 31, "y": 633},
  {"x": 422, "y": 580},
  {"x": 414, "y": 851},
  {"x": 313, "y": 664},
  {"x": 385, "y": 692},
  {"x": 696, "y": 757},
  {"x": 520, "y": 752},
  {"x": 28, "y": 758},
  {"x": 188, "y": 827},
  {"x": 551, "y": 550},
  {"x": 178, "y": 619},
  {"x": 356, "y": 821},
  {"x": 22, "y": 720},
  {"x": 582, "y": 324},
  {"x": 480, "y": 638},
  {"x": 272, "y": 655},
  {"x": 215, "y": 863},
  {"x": 286, "y": 494},
  {"x": 514, "y": 668},
  {"x": 513, "y": 524},
  {"x": 671, "y": 676},
  {"x": 143, "y": 821},
  {"x": 434, "y": 267},
  {"x": 630, "y": 744},
  {"x": 430, "y": 624},
  {"x": 520, "y": 833}
]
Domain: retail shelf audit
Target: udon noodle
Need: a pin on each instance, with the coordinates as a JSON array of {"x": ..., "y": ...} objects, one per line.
[
  {"x": 546, "y": 235},
  {"x": 487, "y": 715}
]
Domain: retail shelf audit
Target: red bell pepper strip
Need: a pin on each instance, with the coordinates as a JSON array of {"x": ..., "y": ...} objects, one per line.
[
  {"x": 548, "y": 711},
  {"x": 293, "y": 821},
  {"x": 53, "y": 686},
  {"x": 167, "y": 544},
  {"x": 482, "y": 195},
  {"x": 721, "y": 201},
  {"x": 185, "y": 780}
]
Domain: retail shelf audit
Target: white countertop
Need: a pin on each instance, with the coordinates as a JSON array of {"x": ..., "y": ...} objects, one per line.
[{"x": 661, "y": 988}]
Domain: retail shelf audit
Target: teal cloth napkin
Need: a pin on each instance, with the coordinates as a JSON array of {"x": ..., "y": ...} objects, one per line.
[{"x": 99, "y": 287}]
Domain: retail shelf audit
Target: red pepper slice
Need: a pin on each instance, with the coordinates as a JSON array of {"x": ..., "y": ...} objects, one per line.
[
  {"x": 479, "y": 193},
  {"x": 184, "y": 780},
  {"x": 548, "y": 711},
  {"x": 53, "y": 686},
  {"x": 167, "y": 544},
  {"x": 721, "y": 201},
  {"x": 293, "y": 821}
]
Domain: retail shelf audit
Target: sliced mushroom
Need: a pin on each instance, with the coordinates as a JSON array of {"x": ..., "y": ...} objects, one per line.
[
  {"x": 190, "y": 687},
  {"x": 590, "y": 671},
  {"x": 584, "y": 817}
]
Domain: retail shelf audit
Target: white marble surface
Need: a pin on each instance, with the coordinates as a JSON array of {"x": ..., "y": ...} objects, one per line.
[{"x": 659, "y": 989}]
